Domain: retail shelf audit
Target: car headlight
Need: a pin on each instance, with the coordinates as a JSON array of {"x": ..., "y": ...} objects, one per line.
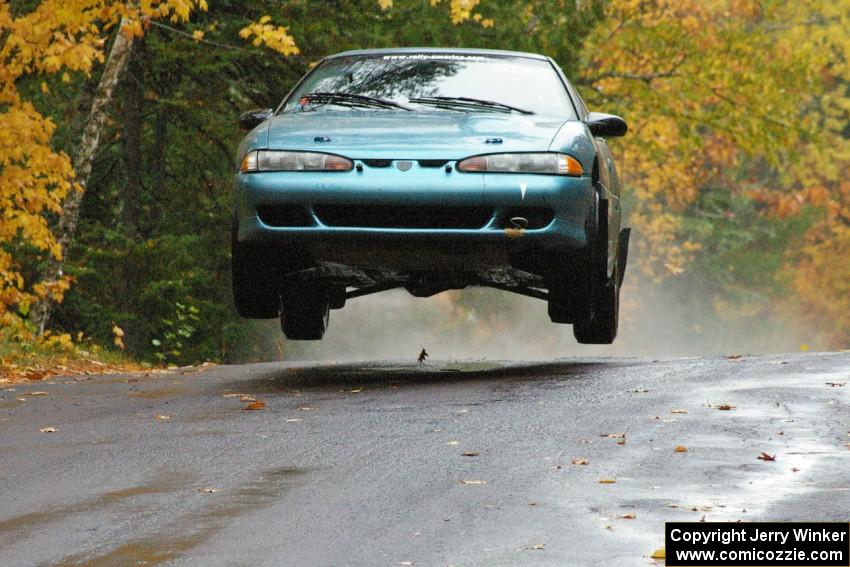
[
  {"x": 274, "y": 160},
  {"x": 547, "y": 163}
]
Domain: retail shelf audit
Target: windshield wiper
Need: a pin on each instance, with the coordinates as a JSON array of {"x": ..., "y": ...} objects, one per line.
[
  {"x": 466, "y": 102},
  {"x": 350, "y": 99}
]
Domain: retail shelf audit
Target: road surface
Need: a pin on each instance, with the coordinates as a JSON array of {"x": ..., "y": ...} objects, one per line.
[{"x": 391, "y": 463}]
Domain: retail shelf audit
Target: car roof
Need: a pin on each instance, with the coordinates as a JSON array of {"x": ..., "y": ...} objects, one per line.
[{"x": 437, "y": 50}]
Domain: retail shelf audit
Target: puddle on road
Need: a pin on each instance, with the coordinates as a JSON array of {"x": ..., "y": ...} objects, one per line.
[
  {"x": 96, "y": 503},
  {"x": 189, "y": 530}
]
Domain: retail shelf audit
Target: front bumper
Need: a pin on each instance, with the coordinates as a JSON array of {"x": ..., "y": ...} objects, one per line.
[{"x": 491, "y": 245}]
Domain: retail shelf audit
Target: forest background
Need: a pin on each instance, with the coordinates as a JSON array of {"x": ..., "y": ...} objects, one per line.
[{"x": 118, "y": 123}]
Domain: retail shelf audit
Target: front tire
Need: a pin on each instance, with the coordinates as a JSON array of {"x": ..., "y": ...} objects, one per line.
[
  {"x": 601, "y": 329},
  {"x": 252, "y": 280}
]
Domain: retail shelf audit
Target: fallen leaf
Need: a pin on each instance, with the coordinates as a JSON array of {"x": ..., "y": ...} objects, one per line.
[
  {"x": 678, "y": 410},
  {"x": 765, "y": 457},
  {"x": 724, "y": 407},
  {"x": 470, "y": 454},
  {"x": 294, "y": 420},
  {"x": 659, "y": 554},
  {"x": 622, "y": 440},
  {"x": 305, "y": 408},
  {"x": 405, "y": 562},
  {"x": 607, "y": 480},
  {"x": 48, "y": 430},
  {"x": 674, "y": 269},
  {"x": 672, "y": 505},
  {"x": 613, "y": 435},
  {"x": 702, "y": 519},
  {"x": 207, "y": 490},
  {"x": 795, "y": 469},
  {"x": 453, "y": 443},
  {"x": 38, "y": 393},
  {"x": 681, "y": 449},
  {"x": 579, "y": 461},
  {"x": 163, "y": 417},
  {"x": 628, "y": 516},
  {"x": 532, "y": 504},
  {"x": 474, "y": 482},
  {"x": 639, "y": 391},
  {"x": 538, "y": 546},
  {"x": 832, "y": 384},
  {"x": 734, "y": 357},
  {"x": 247, "y": 399},
  {"x": 355, "y": 391},
  {"x": 556, "y": 467},
  {"x": 233, "y": 395},
  {"x": 255, "y": 406}
]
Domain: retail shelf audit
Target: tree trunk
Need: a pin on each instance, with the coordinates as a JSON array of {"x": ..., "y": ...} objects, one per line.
[{"x": 66, "y": 228}]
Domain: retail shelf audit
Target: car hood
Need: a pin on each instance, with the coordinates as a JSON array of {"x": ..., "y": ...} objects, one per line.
[{"x": 440, "y": 135}]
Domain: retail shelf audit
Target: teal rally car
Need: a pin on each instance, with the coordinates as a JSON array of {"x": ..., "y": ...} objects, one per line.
[{"x": 428, "y": 170}]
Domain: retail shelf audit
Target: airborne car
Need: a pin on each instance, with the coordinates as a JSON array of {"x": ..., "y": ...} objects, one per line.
[{"x": 429, "y": 170}]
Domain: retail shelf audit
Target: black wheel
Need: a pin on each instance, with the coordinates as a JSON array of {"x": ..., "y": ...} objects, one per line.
[
  {"x": 305, "y": 314},
  {"x": 568, "y": 302},
  {"x": 253, "y": 282},
  {"x": 601, "y": 329},
  {"x": 599, "y": 325}
]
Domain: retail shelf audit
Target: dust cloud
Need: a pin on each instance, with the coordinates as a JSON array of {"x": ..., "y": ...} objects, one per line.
[{"x": 479, "y": 323}]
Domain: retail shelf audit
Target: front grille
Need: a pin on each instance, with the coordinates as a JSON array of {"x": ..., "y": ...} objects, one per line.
[
  {"x": 284, "y": 215},
  {"x": 377, "y": 162},
  {"x": 433, "y": 162},
  {"x": 390, "y": 216}
]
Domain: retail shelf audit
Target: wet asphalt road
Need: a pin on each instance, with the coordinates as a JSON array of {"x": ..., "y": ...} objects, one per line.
[{"x": 363, "y": 464}]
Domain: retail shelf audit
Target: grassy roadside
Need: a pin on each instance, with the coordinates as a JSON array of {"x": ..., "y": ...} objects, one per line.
[{"x": 39, "y": 359}]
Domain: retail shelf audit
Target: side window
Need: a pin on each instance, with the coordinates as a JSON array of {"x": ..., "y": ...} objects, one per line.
[{"x": 580, "y": 103}]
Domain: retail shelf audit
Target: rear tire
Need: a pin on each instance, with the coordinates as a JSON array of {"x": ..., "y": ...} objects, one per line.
[
  {"x": 252, "y": 280},
  {"x": 305, "y": 315}
]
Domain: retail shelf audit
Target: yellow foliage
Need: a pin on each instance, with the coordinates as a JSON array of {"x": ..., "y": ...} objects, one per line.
[
  {"x": 273, "y": 37},
  {"x": 702, "y": 83},
  {"x": 57, "y": 36}
]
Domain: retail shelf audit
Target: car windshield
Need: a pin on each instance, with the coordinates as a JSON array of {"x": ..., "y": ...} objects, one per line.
[{"x": 435, "y": 81}]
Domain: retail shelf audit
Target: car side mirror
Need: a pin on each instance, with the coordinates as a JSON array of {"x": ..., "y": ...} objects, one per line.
[
  {"x": 606, "y": 125},
  {"x": 253, "y": 118}
]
